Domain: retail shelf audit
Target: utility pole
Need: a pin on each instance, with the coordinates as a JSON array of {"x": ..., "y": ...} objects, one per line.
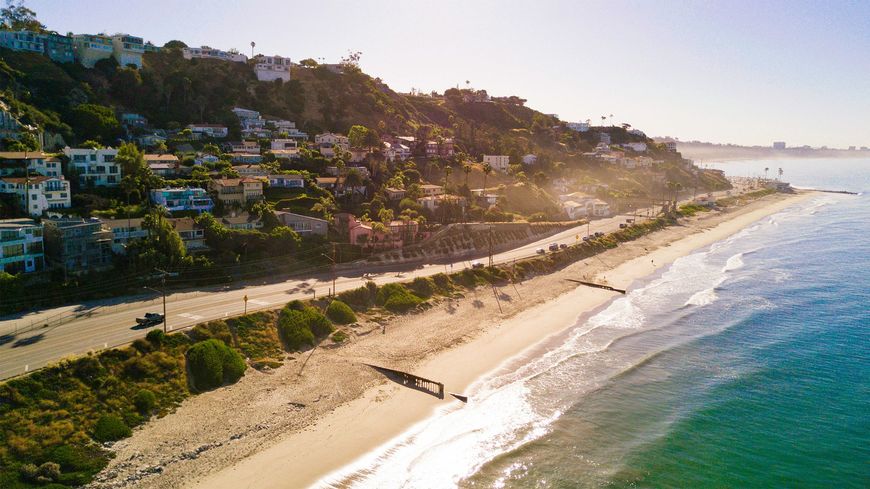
[
  {"x": 490, "y": 245},
  {"x": 163, "y": 286},
  {"x": 332, "y": 259}
]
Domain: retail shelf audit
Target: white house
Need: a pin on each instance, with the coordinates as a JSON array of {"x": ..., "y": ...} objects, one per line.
[
  {"x": 38, "y": 194},
  {"x": 22, "y": 247},
  {"x": 327, "y": 142},
  {"x": 530, "y": 159},
  {"x": 578, "y": 126},
  {"x": 283, "y": 144},
  {"x": 202, "y": 158},
  {"x": 498, "y": 162},
  {"x": 216, "y": 131},
  {"x": 286, "y": 181},
  {"x": 271, "y": 68},
  {"x": 89, "y": 48},
  {"x": 34, "y": 162},
  {"x": 207, "y": 52},
  {"x": 636, "y": 147},
  {"x": 586, "y": 207},
  {"x": 94, "y": 167}
]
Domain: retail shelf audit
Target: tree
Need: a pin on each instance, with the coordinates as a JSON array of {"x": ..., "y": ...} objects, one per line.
[
  {"x": 467, "y": 169},
  {"x": 363, "y": 137},
  {"x": 165, "y": 241},
  {"x": 308, "y": 63},
  {"x": 91, "y": 144},
  {"x": 174, "y": 44},
  {"x": 17, "y": 17},
  {"x": 487, "y": 169},
  {"x": 97, "y": 122}
]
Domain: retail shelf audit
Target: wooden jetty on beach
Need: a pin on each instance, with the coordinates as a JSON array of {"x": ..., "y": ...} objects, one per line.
[
  {"x": 597, "y": 286},
  {"x": 430, "y": 387}
]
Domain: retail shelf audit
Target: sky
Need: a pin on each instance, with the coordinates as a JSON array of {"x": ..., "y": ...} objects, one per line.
[{"x": 742, "y": 72}]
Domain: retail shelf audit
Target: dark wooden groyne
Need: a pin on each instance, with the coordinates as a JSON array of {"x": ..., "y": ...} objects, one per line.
[
  {"x": 597, "y": 286},
  {"x": 411, "y": 381},
  {"x": 847, "y": 192}
]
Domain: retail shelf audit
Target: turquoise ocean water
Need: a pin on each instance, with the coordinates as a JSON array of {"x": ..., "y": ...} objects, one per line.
[{"x": 745, "y": 364}]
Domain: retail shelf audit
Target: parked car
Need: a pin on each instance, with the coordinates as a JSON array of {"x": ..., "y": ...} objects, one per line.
[
  {"x": 554, "y": 247},
  {"x": 150, "y": 319},
  {"x": 540, "y": 251},
  {"x": 563, "y": 246},
  {"x": 629, "y": 221},
  {"x": 623, "y": 225},
  {"x": 476, "y": 265},
  {"x": 585, "y": 238}
]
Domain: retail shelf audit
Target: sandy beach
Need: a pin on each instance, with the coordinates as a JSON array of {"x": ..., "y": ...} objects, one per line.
[{"x": 293, "y": 426}]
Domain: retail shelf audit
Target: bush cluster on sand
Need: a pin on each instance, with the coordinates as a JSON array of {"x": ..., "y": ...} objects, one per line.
[
  {"x": 110, "y": 428},
  {"x": 212, "y": 363},
  {"x": 340, "y": 313},
  {"x": 301, "y": 328}
]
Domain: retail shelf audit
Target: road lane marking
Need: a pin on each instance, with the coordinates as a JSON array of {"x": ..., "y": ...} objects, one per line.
[
  {"x": 189, "y": 315},
  {"x": 259, "y": 302}
]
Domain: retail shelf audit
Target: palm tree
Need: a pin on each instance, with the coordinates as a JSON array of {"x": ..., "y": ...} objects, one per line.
[
  {"x": 611, "y": 120},
  {"x": 766, "y": 169},
  {"x": 467, "y": 169},
  {"x": 487, "y": 169},
  {"x": 447, "y": 171},
  {"x": 603, "y": 118}
]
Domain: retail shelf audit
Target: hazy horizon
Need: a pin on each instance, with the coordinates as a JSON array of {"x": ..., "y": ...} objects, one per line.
[{"x": 741, "y": 73}]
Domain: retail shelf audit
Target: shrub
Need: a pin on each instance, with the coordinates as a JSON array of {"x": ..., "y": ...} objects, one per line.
[
  {"x": 360, "y": 298},
  {"x": 317, "y": 322},
  {"x": 423, "y": 287},
  {"x": 145, "y": 401},
  {"x": 212, "y": 363},
  {"x": 295, "y": 338},
  {"x": 339, "y": 336},
  {"x": 156, "y": 336},
  {"x": 110, "y": 428},
  {"x": 340, "y": 313},
  {"x": 402, "y": 302},
  {"x": 295, "y": 305}
]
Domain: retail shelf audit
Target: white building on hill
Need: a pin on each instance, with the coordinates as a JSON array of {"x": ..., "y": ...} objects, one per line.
[{"x": 271, "y": 68}]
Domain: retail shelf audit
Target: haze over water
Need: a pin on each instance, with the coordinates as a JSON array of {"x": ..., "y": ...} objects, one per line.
[{"x": 745, "y": 364}]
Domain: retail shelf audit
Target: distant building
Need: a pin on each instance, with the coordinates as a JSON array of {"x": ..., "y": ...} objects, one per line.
[
  {"x": 237, "y": 191},
  {"x": 779, "y": 145},
  {"x": 215, "y": 131},
  {"x": 578, "y": 126},
  {"x": 183, "y": 199},
  {"x": 78, "y": 245},
  {"x": 192, "y": 234},
  {"x": 206, "y": 52},
  {"x": 286, "y": 181},
  {"x": 430, "y": 190},
  {"x": 394, "y": 194},
  {"x": 38, "y": 194},
  {"x": 303, "y": 225},
  {"x": 128, "y": 50},
  {"x": 242, "y": 147},
  {"x": 162, "y": 164},
  {"x": 130, "y": 119},
  {"x": 636, "y": 147},
  {"x": 271, "y": 68},
  {"x": 251, "y": 170},
  {"x": 124, "y": 232},
  {"x": 283, "y": 144},
  {"x": 246, "y": 158},
  {"x": 497, "y": 162},
  {"x": 441, "y": 149},
  {"x": 56, "y": 47},
  {"x": 586, "y": 207},
  {"x": 94, "y": 167},
  {"x": 530, "y": 159},
  {"x": 241, "y": 221},
  {"x": 604, "y": 137},
  {"x": 399, "y": 233},
  {"x": 671, "y": 146},
  {"x": 327, "y": 142},
  {"x": 434, "y": 202},
  {"x": 91, "y": 48},
  {"x": 21, "y": 246},
  {"x": 20, "y": 163}
]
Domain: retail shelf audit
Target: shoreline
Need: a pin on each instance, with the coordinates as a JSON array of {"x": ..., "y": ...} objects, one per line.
[{"x": 354, "y": 429}]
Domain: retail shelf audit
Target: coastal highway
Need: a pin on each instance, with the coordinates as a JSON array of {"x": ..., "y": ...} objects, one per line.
[{"x": 25, "y": 345}]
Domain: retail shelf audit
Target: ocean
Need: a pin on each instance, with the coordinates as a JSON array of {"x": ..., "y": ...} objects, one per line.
[{"x": 745, "y": 364}]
